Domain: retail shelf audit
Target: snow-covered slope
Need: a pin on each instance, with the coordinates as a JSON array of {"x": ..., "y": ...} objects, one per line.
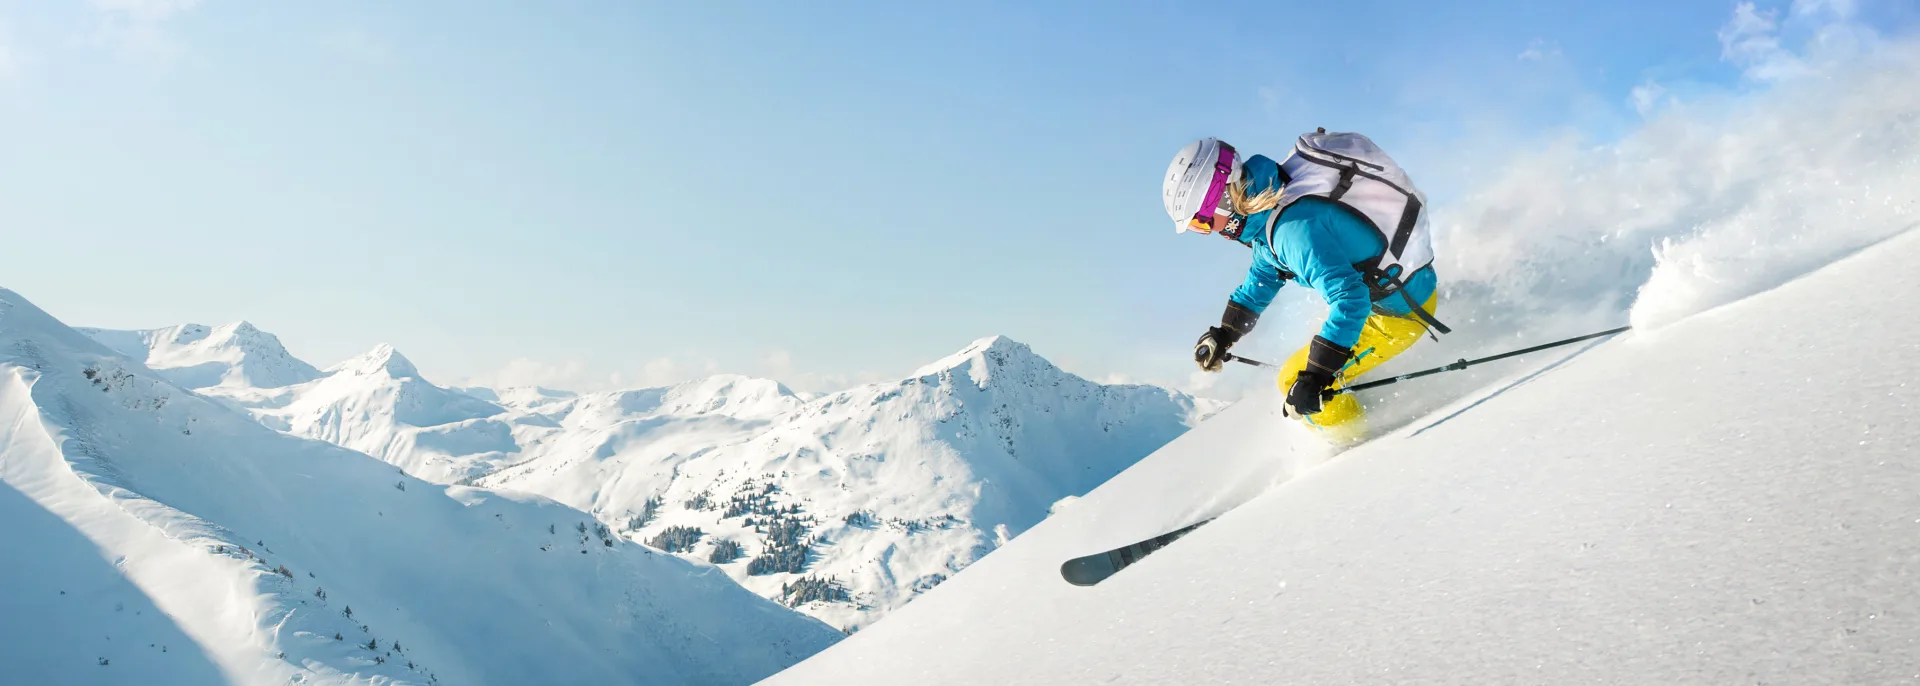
[
  {"x": 153, "y": 535},
  {"x": 197, "y": 356},
  {"x": 872, "y": 495},
  {"x": 879, "y": 492},
  {"x": 1732, "y": 499},
  {"x": 379, "y": 404},
  {"x": 376, "y": 403},
  {"x": 849, "y": 505}
]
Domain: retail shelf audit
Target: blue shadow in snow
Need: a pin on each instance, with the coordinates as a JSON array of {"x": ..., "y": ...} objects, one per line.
[{"x": 1516, "y": 384}]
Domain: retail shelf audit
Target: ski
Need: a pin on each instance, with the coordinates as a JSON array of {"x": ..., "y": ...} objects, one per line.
[{"x": 1088, "y": 570}]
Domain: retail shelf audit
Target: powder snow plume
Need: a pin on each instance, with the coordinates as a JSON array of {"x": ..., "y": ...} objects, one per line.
[
  {"x": 1713, "y": 199},
  {"x": 1710, "y": 201}
]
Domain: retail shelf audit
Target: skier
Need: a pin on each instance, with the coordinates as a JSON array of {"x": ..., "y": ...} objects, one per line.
[{"x": 1336, "y": 215}]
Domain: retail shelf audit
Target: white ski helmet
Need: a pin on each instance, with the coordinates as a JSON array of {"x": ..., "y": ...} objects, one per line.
[{"x": 1196, "y": 185}]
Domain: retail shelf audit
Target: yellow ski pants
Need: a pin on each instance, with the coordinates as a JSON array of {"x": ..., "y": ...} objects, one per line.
[{"x": 1384, "y": 336}]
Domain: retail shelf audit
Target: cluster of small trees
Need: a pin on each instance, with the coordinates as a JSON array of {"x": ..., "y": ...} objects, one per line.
[
  {"x": 914, "y": 526},
  {"x": 647, "y": 512},
  {"x": 599, "y": 530},
  {"x": 926, "y": 583},
  {"x": 701, "y": 501},
  {"x": 786, "y": 549},
  {"x": 811, "y": 588},
  {"x": 724, "y": 550},
  {"x": 676, "y": 539},
  {"x": 751, "y": 500}
]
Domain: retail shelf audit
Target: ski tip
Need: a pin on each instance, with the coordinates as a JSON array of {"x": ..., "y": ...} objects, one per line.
[{"x": 1087, "y": 571}]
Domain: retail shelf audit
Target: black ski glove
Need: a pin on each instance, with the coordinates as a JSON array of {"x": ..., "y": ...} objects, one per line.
[
  {"x": 1211, "y": 351},
  {"x": 1309, "y": 391}
]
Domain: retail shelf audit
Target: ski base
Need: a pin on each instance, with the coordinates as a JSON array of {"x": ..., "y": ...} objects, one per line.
[{"x": 1088, "y": 570}]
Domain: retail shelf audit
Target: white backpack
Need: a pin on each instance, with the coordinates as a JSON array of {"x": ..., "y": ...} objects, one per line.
[{"x": 1347, "y": 168}]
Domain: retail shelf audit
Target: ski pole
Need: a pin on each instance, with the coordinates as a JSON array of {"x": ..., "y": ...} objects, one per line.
[
  {"x": 1256, "y": 363},
  {"x": 1456, "y": 366},
  {"x": 1465, "y": 363}
]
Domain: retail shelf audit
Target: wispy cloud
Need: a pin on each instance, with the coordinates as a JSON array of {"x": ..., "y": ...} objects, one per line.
[
  {"x": 1539, "y": 51},
  {"x": 137, "y": 28},
  {"x": 1646, "y": 97},
  {"x": 1270, "y": 100},
  {"x": 1843, "y": 9},
  {"x": 1757, "y": 40},
  {"x": 577, "y": 375},
  {"x": 525, "y": 371},
  {"x": 1751, "y": 40},
  {"x": 580, "y": 376}
]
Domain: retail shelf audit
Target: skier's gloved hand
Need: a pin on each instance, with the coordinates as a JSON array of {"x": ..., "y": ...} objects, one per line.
[
  {"x": 1307, "y": 393},
  {"x": 1310, "y": 388},
  {"x": 1211, "y": 351}
]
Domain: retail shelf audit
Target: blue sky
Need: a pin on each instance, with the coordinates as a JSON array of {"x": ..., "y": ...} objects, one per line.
[{"x": 593, "y": 194}]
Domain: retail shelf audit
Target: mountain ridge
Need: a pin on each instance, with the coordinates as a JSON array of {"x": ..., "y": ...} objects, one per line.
[
  {"x": 872, "y": 494},
  {"x": 281, "y": 559}
]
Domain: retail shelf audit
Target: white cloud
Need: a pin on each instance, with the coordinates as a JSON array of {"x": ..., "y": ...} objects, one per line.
[
  {"x": 578, "y": 376},
  {"x": 524, "y": 371},
  {"x": 1270, "y": 99},
  {"x": 1769, "y": 47},
  {"x": 1646, "y": 97},
  {"x": 661, "y": 371},
  {"x": 778, "y": 362},
  {"x": 1751, "y": 39},
  {"x": 1539, "y": 51},
  {"x": 1840, "y": 9}
]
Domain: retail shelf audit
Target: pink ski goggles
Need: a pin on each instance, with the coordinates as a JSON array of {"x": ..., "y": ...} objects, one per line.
[{"x": 1202, "y": 221}]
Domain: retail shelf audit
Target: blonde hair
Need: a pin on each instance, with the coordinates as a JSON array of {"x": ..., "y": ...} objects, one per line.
[{"x": 1243, "y": 205}]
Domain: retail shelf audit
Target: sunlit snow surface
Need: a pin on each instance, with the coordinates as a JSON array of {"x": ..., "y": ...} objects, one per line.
[
  {"x": 1729, "y": 495},
  {"x": 155, "y": 536},
  {"x": 897, "y": 485},
  {"x": 1733, "y": 499}
]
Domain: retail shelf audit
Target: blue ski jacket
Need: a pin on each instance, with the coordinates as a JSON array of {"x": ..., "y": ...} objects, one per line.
[{"x": 1319, "y": 242}]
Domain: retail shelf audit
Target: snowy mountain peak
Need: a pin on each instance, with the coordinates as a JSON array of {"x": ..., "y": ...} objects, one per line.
[
  {"x": 728, "y": 393},
  {"x": 848, "y": 505},
  {"x": 723, "y": 395},
  {"x": 379, "y": 404},
  {"x": 176, "y": 541},
  {"x": 243, "y": 330},
  {"x": 381, "y": 360},
  {"x": 201, "y": 356},
  {"x": 991, "y": 358},
  {"x": 184, "y": 334}
]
